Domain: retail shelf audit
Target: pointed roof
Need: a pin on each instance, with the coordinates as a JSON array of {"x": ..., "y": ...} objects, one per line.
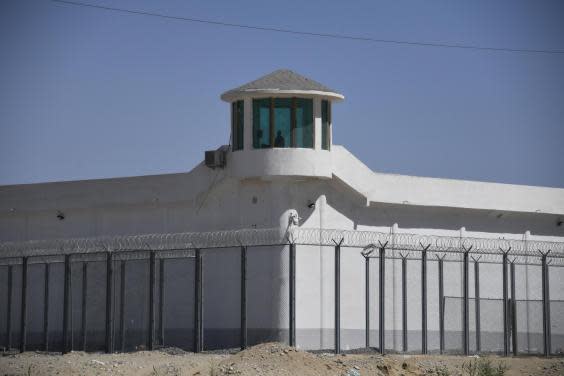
[{"x": 282, "y": 81}]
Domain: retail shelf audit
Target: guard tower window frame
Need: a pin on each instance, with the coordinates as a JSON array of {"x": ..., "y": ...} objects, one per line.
[
  {"x": 283, "y": 122},
  {"x": 237, "y": 125},
  {"x": 325, "y": 125}
]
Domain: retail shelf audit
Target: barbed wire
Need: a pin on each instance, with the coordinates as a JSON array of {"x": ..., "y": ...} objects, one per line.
[
  {"x": 490, "y": 248},
  {"x": 435, "y": 243},
  {"x": 145, "y": 242}
]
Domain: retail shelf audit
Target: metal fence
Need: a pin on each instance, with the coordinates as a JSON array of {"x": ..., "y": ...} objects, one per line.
[
  {"x": 69, "y": 291},
  {"x": 130, "y": 277},
  {"x": 467, "y": 325}
]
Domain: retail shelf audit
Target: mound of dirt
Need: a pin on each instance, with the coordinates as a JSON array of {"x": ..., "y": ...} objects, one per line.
[
  {"x": 277, "y": 359},
  {"x": 270, "y": 359}
]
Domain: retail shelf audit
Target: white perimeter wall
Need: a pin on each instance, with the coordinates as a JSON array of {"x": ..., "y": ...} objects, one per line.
[{"x": 205, "y": 200}]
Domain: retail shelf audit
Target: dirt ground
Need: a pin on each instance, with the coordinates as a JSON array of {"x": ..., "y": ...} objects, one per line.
[{"x": 265, "y": 359}]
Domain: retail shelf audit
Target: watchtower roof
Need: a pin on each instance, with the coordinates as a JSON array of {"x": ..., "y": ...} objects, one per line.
[{"x": 282, "y": 81}]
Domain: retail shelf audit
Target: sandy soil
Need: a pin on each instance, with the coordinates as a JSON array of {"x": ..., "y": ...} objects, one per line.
[{"x": 265, "y": 359}]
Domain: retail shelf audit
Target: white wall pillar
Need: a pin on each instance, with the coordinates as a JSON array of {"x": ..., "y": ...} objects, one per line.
[
  {"x": 248, "y": 124},
  {"x": 330, "y": 114},
  {"x": 317, "y": 122}
]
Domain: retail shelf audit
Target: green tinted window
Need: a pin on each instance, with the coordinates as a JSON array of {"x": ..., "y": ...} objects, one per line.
[
  {"x": 304, "y": 123},
  {"x": 237, "y": 124},
  {"x": 261, "y": 123},
  {"x": 282, "y": 122},
  {"x": 325, "y": 124}
]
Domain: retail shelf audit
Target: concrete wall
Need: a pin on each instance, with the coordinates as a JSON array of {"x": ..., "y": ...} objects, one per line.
[{"x": 347, "y": 198}]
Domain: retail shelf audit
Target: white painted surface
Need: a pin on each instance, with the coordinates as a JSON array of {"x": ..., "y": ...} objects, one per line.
[
  {"x": 414, "y": 190},
  {"x": 268, "y": 163}
]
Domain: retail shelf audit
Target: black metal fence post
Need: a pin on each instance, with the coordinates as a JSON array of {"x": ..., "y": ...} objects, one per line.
[
  {"x": 152, "y": 283},
  {"x": 477, "y": 304},
  {"x": 66, "y": 303},
  {"x": 199, "y": 308},
  {"x": 292, "y": 297},
  {"x": 547, "y": 300},
  {"x": 441, "y": 305},
  {"x": 23, "y": 322},
  {"x": 505, "y": 305},
  {"x": 367, "y": 301},
  {"x": 46, "y": 308},
  {"x": 243, "y": 297},
  {"x": 109, "y": 302},
  {"x": 545, "y": 304},
  {"x": 9, "y": 306},
  {"x": 161, "y": 300},
  {"x": 382, "y": 287},
  {"x": 84, "y": 303},
  {"x": 338, "y": 297},
  {"x": 466, "y": 307},
  {"x": 513, "y": 310},
  {"x": 404, "y": 302},
  {"x": 122, "y": 306},
  {"x": 424, "y": 299}
]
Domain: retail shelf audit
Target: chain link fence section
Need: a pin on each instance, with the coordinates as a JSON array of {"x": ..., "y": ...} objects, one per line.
[
  {"x": 557, "y": 326},
  {"x": 222, "y": 298},
  {"x": 529, "y": 331}
]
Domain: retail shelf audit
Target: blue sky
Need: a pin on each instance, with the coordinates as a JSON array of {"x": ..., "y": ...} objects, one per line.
[{"x": 88, "y": 93}]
